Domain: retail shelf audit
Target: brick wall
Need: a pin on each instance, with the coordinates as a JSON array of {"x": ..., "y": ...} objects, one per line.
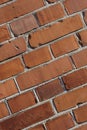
[{"x": 43, "y": 64}]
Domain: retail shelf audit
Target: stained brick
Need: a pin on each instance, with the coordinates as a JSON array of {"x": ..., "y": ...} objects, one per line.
[
  {"x": 22, "y": 101},
  {"x": 24, "y": 25},
  {"x": 55, "y": 31},
  {"x": 63, "y": 122},
  {"x": 44, "y": 73},
  {"x": 75, "y": 79},
  {"x": 4, "y": 33},
  {"x": 49, "y": 90},
  {"x": 18, "y": 8},
  {"x": 39, "y": 56},
  {"x": 83, "y": 37},
  {"x": 40, "y": 127},
  {"x": 80, "y": 58},
  {"x": 64, "y": 46},
  {"x": 28, "y": 117},
  {"x": 81, "y": 114},
  {"x": 74, "y": 6},
  {"x": 3, "y": 110},
  {"x": 12, "y": 48},
  {"x": 10, "y": 68},
  {"x": 7, "y": 88},
  {"x": 48, "y": 15},
  {"x": 71, "y": 99}
]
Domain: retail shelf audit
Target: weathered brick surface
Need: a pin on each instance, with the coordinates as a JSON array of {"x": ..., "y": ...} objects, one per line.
[
  {"x": 83, "y": 37},
  {"x": 15, "y": 47},
  {"x": 55, "y": 31},
  {"x": 83, "y": 127},
  {"x": 28, "y": 117},
  {"x": 3, "y": 1},
  {"x": 3, "y": 110},
  {"x": 85, "y": 16},
  {"x": 40, "y": 127},
  {"x": 48, "y": 15},
  {"x": 44, "y": 73},
  {"x": 72, "y": 98}
]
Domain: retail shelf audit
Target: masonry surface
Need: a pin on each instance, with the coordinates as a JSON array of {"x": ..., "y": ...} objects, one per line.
[{"x": 43, "y": 64}]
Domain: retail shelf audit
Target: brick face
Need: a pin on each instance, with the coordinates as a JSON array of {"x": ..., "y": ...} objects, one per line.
[
  {"x": 15, "y": 47},
  {"x": 4, "y": 33},
  {"x": 24, "y": 25},
  {"x": 26, "y": 118},
  {"x": 75, "y": 79},
  {"x": 55, "y": 31},
  {"x": 64, "y": 46},
  {"x": 83, "y": 37},
  {"x": 85, "y": 16},
  {"x": 83, "y": 127},
  {"x": 63, "y": 122},
  {"x": 7, "y": 88},
  {"x": 3, "y": 110},
  {"x": 44, "y": 73},
  {"x": 72, "y": 98},
  {"x": 39, "y": 56},
  {"x": 3, "y": 1},
  {"x": 81, "y": 114},
  {"x": 40, "y": 127},
  {"x": 49, "y": 90},
  {"x": 74, "y": 6},
  {"x": 48, "y": 15},
  {"x": 17, "y": 8},
  {"x": 11, "y": 68}
]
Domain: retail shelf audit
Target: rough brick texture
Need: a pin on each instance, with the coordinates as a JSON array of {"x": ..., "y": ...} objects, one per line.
[{"x": 43, "y": 64}]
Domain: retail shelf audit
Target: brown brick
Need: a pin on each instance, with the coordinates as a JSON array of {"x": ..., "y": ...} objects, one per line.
[
  {"x": 40, "y": 127},
  {"x": 7, "y": 88},
  {"x": 3, "y": 1},
  {"x": 28, "y": 117},
  {"x": 18, "y": 8},
  {"x": 80, "y": 58},
  {"x": 83, "y": 127},
  {"x": 39, "y": 56},
  {"x": 83, "y": 37},
  {"x": 24, "y": 25},
  {"x": 85, "y": 16},
  {"x": 63, "y": 122},
  {"x": 22, "y": 101},
  {"x": 74, "y": 6},
  {"x": 11, "y": 68},
  {"x": 49, "y": 90},
  {"x": 75, "y": 79},
  {"x": 81, "y": 114},
  {"x": 3, "y": 110},
  {"x": 55, "y": 31},
  {"x": 48, "y": 15},
  {"x": 4, "y": 33},
  {"x": 64, "y": 46},
  {"x": 12, "y": 48},
  {"x": 71, "y": 99},
  {"x": 44, "y": 73}
]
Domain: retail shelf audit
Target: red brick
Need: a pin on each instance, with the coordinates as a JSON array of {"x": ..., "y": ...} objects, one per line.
[
  {"x": 49, "y": 90},
  {"x": 3, "y": 110},
  {"x": 39, "y": 56},
  {"x": 28, "y": 117},
  {"x": 22, "y": 101},
  {"x": 44, "y": 73},
  {"x": 51, "y": 1},
  {"x": 71, "y": 99},
  {"x": 83, "y": 127},
  {"x": 64, "y": 46},
  {"x": 7, "y": 88},
  {"x": 48, "y": 15},
  {"x": 3, "y": 1},
  {"x": 4, "y": 33},
  {"x": 55, "y": 31},
  {"x": 24, "y": 25},
  {"x": 75, "y": 79},
  {"x": 12, "y": 48},
  {"x": 11, "y": 68},
  {"x": 63, "y": 122},
  {"x": 18, "y": 8},
  {"x": 83, "y": 37},
  {"x": 80, "y": 58},
  {"x": 85, "y": 16},
  {"x": 74, "y": 6},
  {"x": 81, "y": 114},
  {"x": 40, "y": 127}
]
